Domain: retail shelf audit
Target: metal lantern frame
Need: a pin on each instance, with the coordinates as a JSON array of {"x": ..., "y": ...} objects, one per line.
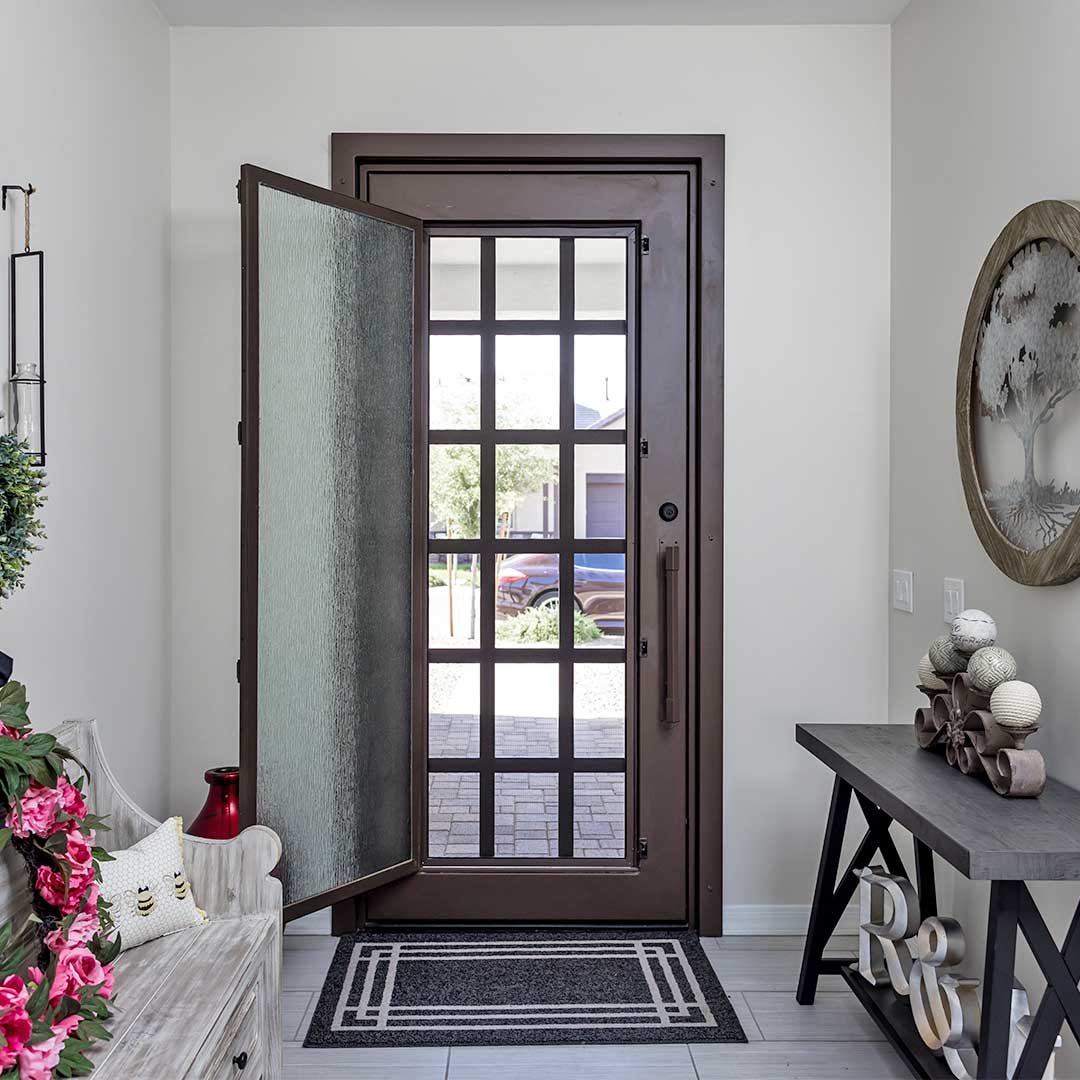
[{"x": 37, "y": 454}]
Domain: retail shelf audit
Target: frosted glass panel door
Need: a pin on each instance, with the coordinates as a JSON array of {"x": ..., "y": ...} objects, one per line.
[{"x": 327, "y": 690}]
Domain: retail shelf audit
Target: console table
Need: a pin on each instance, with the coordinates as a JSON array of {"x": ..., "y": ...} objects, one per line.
[{"x": 986, "y": 837}]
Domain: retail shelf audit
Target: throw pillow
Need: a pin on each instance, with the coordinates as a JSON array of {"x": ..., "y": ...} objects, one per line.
[{"x": 147, "y": 887}]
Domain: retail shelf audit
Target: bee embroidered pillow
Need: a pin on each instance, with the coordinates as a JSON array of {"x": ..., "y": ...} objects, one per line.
[{"x": 147, "y": 888}]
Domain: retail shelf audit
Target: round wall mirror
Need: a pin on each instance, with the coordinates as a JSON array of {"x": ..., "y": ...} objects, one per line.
[{"x": 1018, "y": 397}]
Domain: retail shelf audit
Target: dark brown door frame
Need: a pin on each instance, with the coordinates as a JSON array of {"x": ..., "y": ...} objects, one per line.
[{"x": 354, "y": 156}]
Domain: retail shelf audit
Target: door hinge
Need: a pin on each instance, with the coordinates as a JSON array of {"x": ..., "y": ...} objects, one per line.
[
  {"x": 240, "y": 432},
  {"x": 643, "y": 447},
  {"x": 644, "y": 245},
  {"x": 238, "y": 199},
  {"x": 642, "y": 848},
  {"x": 237, "y": 670},
  {"x": 643, "y": 647}
]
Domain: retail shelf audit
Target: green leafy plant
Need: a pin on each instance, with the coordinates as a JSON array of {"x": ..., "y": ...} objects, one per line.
[
  {"x": 540, "y": 626},
  {"x": 22, "y": 495}
]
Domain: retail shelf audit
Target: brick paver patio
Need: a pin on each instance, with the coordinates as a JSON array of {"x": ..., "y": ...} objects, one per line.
[{"x": 526, "y": 804}]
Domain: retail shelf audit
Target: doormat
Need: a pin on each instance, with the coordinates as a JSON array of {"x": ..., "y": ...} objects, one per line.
[{"x": 497, "y": 989}]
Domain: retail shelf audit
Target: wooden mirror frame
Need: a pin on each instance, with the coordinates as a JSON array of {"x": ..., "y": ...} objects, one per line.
[{"x": 1059, "y": 562}]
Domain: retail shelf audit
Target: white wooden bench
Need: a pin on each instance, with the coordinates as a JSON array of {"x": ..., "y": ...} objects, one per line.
[{"x": 203, "y": 1003}]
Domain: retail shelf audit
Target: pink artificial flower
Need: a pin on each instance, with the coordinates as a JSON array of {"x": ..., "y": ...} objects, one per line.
[
  {"x": 39, "y": 806},
  {"x": 67, "y": 1026},
  {"x": 79, "y": 850},
  {"x": 82, "y": 929},
  {"x": 15, "y": 1025},
  {"x": 71, "y": 800},
  {"x": 37, "y": 1062},
  {"x": 36, "y": 975},
  {"x": 11, "y": 733},
  {"x": 77, "y": 967},
  {"x": 50, "y": 883}
]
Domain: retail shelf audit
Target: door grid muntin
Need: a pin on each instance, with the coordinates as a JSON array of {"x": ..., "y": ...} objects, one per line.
[{"x": 488, "y": 546}]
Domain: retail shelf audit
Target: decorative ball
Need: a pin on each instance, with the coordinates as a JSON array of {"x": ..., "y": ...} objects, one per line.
[
  {"x": 972, "y": 630},
  {"x": 927, "y": 676},
  {"x": 990, "y": 667},
  {"x": 1016, "y": 705},
  {"x": 946, "y": 657}
]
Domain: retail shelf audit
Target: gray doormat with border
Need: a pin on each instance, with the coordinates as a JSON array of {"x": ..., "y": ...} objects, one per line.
[{"x": 516, "y": 987}]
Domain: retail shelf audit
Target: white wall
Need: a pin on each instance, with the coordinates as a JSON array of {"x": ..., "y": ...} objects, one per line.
[
  {"x": 984, "y": 108},
  {"x": 806, "y": 115},
  {"x": 85, "y": 91}
]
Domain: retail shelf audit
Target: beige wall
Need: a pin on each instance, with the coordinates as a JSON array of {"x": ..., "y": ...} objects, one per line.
[
  {"x": 806, "y": 115},
  {"x": 984, "y": 107},
  {"x": 85, "y": 111}
]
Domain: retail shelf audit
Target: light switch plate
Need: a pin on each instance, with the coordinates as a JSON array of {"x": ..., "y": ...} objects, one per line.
[
  {"x": 954, "y": 598},
  {"x": 903, "y": 590}
]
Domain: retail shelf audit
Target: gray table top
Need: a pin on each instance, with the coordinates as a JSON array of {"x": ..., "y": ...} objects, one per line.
[{"x": 984, "y": 835}]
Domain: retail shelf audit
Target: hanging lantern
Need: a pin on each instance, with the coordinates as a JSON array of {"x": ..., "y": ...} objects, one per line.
[{"x": 26, "y": 399}]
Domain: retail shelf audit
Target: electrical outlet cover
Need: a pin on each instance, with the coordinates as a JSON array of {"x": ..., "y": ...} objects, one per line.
[
  {"x": 903, "y": 590},
  {"x": 954, "y": 598}
]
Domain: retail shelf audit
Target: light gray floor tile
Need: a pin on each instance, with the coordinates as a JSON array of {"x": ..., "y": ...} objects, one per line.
[
  {"x": 846, "y": 945},
  {"x": 306, "y": 960},
  {"x": 746, "y": 1017},
  {"x": 416, "y": 1063},
  {"x": 294, "y": 1007},
  {"x": 832, "y": 1016},
  {"x": 764, "y": 969},
  {"x": 648, "y": 1062},
  {"x": 797, "y": 1061}
]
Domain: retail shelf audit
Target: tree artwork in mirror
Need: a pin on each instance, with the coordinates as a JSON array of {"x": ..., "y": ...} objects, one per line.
[{"x": 1018, "y": 409}]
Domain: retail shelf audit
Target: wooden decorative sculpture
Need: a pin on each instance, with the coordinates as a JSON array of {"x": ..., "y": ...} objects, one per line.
[
  {"x": 979, "y": 714},
  {"x": 959, "y": 722}
]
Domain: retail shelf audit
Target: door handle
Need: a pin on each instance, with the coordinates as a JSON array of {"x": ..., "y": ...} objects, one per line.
[{"x": 671, "y": 635}]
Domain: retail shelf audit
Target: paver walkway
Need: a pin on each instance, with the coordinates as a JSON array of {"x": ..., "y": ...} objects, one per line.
[{"x": 526, "y": 804}]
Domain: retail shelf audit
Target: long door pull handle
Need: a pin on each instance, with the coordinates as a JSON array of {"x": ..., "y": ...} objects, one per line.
[{"x": 671, "y": 635}]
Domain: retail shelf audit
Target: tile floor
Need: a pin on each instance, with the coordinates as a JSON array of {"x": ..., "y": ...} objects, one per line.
[{"x": 832, "y": 1039}]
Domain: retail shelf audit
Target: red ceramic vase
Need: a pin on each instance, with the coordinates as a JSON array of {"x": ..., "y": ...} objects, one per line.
[{"x": 219, "y": 819}]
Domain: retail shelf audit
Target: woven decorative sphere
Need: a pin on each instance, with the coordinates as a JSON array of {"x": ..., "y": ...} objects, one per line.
[
  {"x": 990, "y": 667},
  {"x": 1016, "y": 705},
  {"x": 927, "y": 676},
  {"x": 972, "y": 630},
  {"x": 946, "y": 657}
]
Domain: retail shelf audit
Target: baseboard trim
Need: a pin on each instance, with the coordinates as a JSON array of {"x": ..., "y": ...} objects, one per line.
[{"x": 763, "y": 920}]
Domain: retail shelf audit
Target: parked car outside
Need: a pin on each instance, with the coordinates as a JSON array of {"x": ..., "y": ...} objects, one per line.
[{"x": 533, "y": 581}]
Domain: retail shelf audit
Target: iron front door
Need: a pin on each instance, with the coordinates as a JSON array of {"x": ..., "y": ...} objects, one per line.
[{"x": 556, "y": 374}]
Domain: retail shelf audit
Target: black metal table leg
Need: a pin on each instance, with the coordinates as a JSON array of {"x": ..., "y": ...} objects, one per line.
[
  {"x": 821, "y": 925},
  {"x": 924, "y": 879},
  {"x": 997, "y": 981},
  {"x": 1061, "y": 1000}
]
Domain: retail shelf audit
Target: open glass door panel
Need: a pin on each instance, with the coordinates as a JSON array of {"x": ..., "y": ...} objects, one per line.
[{"x": 328, "y": 691}]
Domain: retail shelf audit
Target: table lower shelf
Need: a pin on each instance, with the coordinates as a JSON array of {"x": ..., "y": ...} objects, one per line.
[{"x": 892, "y": 1013}]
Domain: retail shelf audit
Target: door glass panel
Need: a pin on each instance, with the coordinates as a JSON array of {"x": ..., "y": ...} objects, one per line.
[
  {"x": 600, "y": 592},
  {"x": 600, "y": 491},
  {"x": 526, "y": 277},
  {"x": 527, "y": 814},
  {"x": 527, "y": 600},
  {"x": 527, "y": 710},
  {"x": 454, "y": 492},
  {"x": 453, "y": 815},
  {"x": 454, "y": 710},
  {"x": 526, "y": 491},
  {"x": 526, "y": 381},
  {"x": 599, "y": 815},
  {"x": 335, "y": 361},
  {"x": 600, "y": 278},
  {"x": 454, "y": 601},
  {"x": 599, "y": 381},
  {"x": 454, "y": 277},
  {"x": 454, "y": 383},
  {"x": 599, "y": 710}
]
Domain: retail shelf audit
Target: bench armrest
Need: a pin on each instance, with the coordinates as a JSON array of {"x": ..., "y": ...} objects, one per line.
[{"x": 229, "y": 877}]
